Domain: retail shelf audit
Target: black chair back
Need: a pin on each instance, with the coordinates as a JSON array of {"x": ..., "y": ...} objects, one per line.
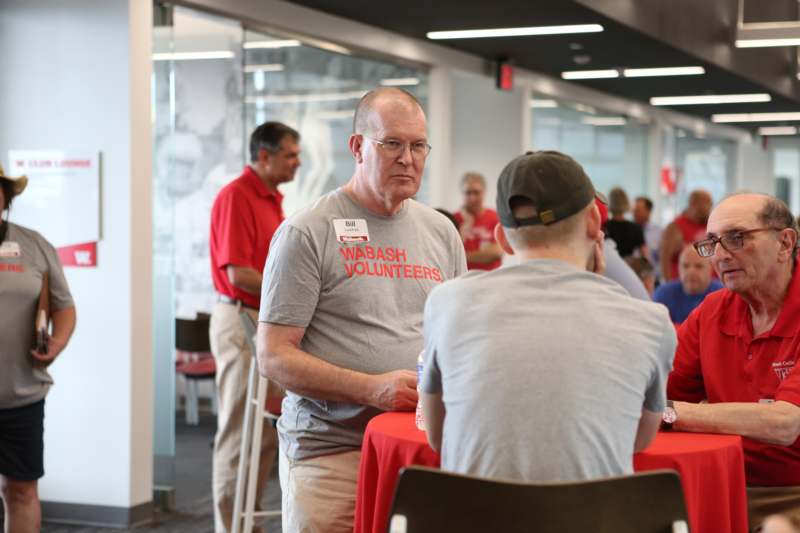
[
  {"x": 433, "y": 501},
  {"x": 192, "y": 335}
]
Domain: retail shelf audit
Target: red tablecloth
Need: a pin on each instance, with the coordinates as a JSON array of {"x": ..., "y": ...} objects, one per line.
[
  {"x": 712, "y": 475},
  {"x": 711, "y": 468}
]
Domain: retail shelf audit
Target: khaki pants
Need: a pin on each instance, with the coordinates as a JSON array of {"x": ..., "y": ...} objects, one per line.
[
  {"x": 765, "y": 501},
  {"x": 319, "y": 494},
  {"x": 232, "y": 355}
]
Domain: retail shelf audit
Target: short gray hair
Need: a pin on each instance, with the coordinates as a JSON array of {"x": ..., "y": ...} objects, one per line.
[
  {"x": 776, "y": 214},
  {"x": 367, "y": 104},
  {"x": 525, "y": 237},
  {"x": 473, "y": 176}
]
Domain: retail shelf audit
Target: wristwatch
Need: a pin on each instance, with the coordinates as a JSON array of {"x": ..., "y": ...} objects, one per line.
[{"x": 669, "y": 416}]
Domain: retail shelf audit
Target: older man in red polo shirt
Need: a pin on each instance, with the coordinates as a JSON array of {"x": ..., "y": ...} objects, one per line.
[
  {"x": 245, "y": 215},
  {"x": 734, "y": 371}
]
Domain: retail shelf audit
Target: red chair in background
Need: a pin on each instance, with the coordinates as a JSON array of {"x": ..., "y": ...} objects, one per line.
[{"x": 194, "y": 361}]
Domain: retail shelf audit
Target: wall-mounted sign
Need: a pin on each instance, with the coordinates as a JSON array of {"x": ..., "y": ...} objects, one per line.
[{"x": 62, "y": 201}]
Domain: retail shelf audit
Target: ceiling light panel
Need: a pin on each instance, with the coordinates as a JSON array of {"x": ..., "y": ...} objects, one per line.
[
  {"x": 710, "y": 99},
  {"x": 764, "y": 43},
  {"x": 663, "y": 71},
  {"x": 285, "y": 43},
  {"x": 188, "y": 56},
  {"x": 543, "y": 103},
  {"x": 604, "y": 121},
  {"x": 270, "y": 67},
  {"x": 777, "y": 130},
  {"x": 589, "y": 74},
  {"x": 754, "y": 117},
  {"x": 399, "y": 82},
  {"x": 515, "y": 32}
]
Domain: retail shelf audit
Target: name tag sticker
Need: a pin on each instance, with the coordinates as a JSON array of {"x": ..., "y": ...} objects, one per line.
[
  {"x": 10, "y": 249},
  {"x": 351, "y": 230}
]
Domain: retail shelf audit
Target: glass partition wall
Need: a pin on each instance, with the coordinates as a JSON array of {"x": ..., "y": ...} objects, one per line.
[
  {"x": 615, "y": 150},
  {"x": 612, "y": 148},
  {"x": 214, "y": 81}
]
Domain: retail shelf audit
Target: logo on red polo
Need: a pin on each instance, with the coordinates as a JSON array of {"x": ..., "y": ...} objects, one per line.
[{"x": 782, "y": 369}]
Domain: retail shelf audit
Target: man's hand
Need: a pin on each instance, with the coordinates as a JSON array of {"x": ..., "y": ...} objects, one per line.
[
  {"x": 394, "y": 391},
  {"x": 597, "y": 262},
  {"x": 54, "y": 347}
]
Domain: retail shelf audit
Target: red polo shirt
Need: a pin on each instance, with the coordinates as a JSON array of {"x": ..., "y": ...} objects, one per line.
[
  {"x": 719, "y": 359},
  {"x": 482, "y": 232},
  {"x": 244, "y": 217}
]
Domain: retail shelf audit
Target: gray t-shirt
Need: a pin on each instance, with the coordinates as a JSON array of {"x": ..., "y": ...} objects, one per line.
[
  {"x": 544, "y": 370},
  {"x": 357, "y": 282},
  {"x": 24, "y": 257},
  {"x": 618, "y": 270}
]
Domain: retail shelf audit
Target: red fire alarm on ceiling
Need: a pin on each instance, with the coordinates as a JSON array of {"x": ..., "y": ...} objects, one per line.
[{"x": 505, "y": 76}]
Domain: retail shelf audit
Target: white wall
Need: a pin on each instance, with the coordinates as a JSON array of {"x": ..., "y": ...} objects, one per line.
[
  {"x": 754, "y": 170},
  {"x": 76, "y": 75},
  {"x": 487, "y": 130}
]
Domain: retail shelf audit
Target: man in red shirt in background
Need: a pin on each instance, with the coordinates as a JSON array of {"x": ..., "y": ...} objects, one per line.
[
  {"x": 245, "y": 215},
  {"x": 476, "y": 224},
  {"x": 735, "y": 368},
  {"x": 688, "y": 227}
]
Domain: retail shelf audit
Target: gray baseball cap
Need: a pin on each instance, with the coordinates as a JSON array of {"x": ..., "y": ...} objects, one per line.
[{"x": 555, "y": 183}]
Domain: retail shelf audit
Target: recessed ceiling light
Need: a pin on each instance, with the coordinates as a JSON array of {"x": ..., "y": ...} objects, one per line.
[
  {"x": 763, "y": 43},
  {"x": 269, "y": 67},
  {"x": 399, "y": 82},
  {"x": 515, "y": 32},
  {"x": 754, "y": 117},
  {"x": 543, "y": 103},
  {"x": 583, "y": 108},
  {"x": 663, "y": 71},
  {"x": 706, "y": 99},
  {"x": 777, "y": 130},
  {"x": 590, "y": 74},
  {"x": 284, "y": 43},
  {"x": 307, "y": 97},
  {"x": 186, "y": 56},
  {"x": 604, "y": 121}
]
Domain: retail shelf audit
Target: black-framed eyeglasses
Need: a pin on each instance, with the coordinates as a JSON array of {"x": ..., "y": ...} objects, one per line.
[
  {"x": 731, "y": 241},
  {"x": 393, "y": 147}
]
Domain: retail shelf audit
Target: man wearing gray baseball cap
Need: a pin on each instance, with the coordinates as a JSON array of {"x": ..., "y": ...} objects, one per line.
[{"x": 544, "y": 370}]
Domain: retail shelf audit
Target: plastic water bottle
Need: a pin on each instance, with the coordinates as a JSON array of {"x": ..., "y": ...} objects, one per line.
[{"x": 419, "y": 420}]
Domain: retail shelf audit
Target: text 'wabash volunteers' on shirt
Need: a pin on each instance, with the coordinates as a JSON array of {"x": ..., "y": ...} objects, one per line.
[{"x": 385, "y": 263}]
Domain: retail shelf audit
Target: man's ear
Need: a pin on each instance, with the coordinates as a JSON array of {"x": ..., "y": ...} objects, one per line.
[
  {"x": 263, "y": 157},
  {"x": 500, "y": 237},
  {"x": 594, "y": 229},
  {"x": 788, "y": 241},
  {"x": 356, "y": 142}
]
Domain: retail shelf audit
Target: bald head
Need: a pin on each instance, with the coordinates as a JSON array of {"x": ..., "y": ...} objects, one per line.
[
  {"x": 382, "y": 98},
  {"x": 694, "y": 271},
  {"x": 700, "y": 204}
]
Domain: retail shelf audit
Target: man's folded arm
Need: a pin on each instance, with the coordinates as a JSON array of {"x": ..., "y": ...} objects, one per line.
[
  {"x": 773, "y": 423},
  {"x": 281, "y": 359}
]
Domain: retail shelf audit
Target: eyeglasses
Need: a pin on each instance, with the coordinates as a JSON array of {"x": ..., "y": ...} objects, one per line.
[
  {"x": 731, "y": 241},
  {"x": 394, "y": 148}
]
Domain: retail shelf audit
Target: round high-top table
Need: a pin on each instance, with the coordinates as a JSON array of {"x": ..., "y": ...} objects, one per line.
[{"x": 711, "y": 469}]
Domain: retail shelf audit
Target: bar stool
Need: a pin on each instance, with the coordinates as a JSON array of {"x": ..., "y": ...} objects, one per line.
[{"x": 256, "y": 410}]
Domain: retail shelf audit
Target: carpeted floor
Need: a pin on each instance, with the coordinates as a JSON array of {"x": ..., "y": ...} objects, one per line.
[{"x": 193, "y": 510}]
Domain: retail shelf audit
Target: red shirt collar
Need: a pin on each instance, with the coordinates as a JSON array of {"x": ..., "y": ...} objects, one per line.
[
  {"x": 255, "y": 182},
  {"x": 736, "y": 320}
]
